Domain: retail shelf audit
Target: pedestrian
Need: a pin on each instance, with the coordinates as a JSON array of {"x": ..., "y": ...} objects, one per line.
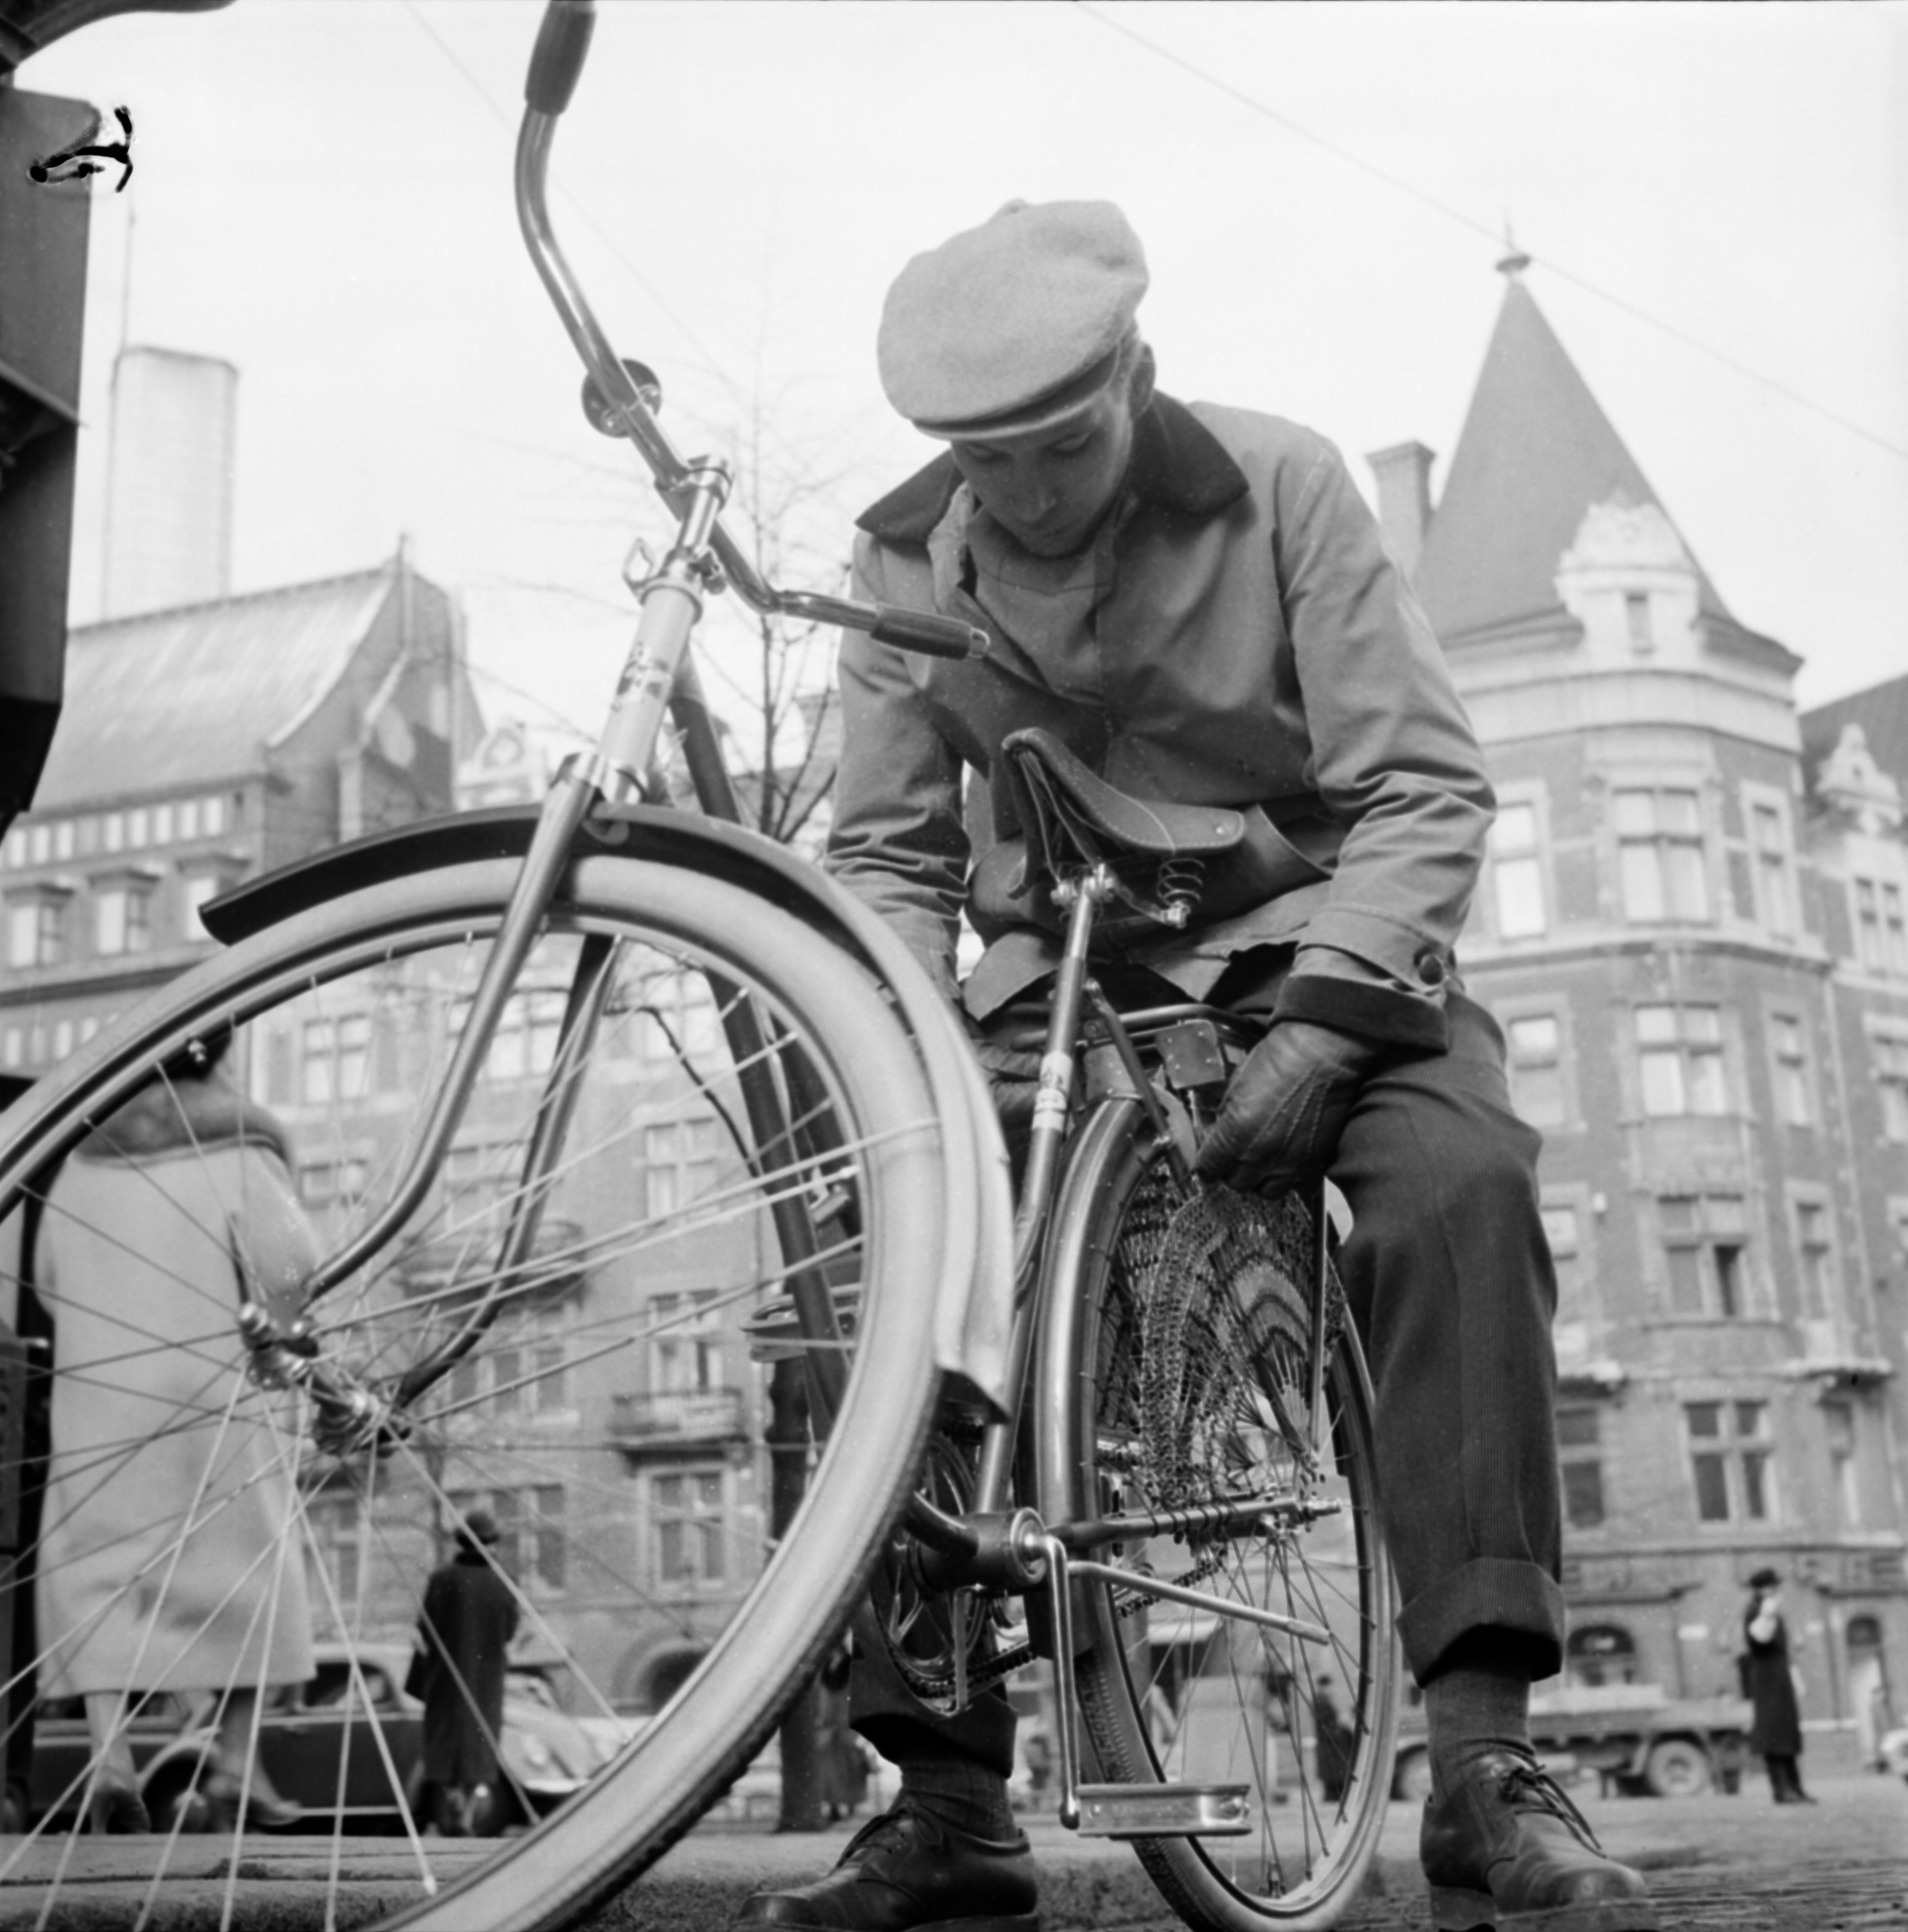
[
  {"x": 1196, "y": 600},
  {"x": 463, "y": 1641},
  {"x": 166, "y": 1557},
  {"x": 1336, "y": 1742},
  {"x": 1769, "y": 1683}
]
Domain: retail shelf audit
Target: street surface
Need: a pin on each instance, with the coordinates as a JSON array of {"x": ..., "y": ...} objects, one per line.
[{"x": 1715, "y": 1864}]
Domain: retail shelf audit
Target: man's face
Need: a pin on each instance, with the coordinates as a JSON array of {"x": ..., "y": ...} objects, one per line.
[{"x": 1050, "y": 489}]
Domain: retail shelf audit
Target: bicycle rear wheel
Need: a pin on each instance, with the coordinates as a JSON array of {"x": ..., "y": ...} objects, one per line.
[
  {"x": 1170, "y": 1394},
  {"x": 611, "y": 1412}
]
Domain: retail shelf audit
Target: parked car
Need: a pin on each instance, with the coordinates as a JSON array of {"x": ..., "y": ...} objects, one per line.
[{"x": 307, "y": 1729}]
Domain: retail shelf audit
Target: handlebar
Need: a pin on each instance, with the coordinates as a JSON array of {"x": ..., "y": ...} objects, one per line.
[{"x": 562, "y": 46}]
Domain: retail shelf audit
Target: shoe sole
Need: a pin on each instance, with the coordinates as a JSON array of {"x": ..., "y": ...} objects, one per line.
[{"x": 1453, "y": 1909}]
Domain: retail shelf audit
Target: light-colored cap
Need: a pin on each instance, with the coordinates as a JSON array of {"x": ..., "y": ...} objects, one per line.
[{"x": 1013, "y": 326}]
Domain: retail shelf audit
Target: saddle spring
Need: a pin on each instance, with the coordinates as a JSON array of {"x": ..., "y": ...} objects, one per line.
[{"x": 1181, "y": 879}]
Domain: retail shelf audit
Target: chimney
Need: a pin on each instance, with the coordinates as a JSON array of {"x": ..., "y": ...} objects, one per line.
[
  {"x": 1403, "y": 473},
  {"x": 169, "y": 481}
]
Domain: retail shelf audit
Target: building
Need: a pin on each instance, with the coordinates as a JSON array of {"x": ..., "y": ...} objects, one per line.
[
  {"x": 1690, "y": 929},
  {"x": 200, "y": 745}
]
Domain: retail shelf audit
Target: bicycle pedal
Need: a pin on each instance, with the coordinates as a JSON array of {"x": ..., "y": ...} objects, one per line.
[{"x": 1164, "y": 1810}]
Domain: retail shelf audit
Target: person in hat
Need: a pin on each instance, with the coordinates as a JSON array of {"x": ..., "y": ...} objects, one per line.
[
  {"x": 1196, "y": 601},
  {"x": 1769, "y": 1683},
  {"x": 463, "y": 1641}
]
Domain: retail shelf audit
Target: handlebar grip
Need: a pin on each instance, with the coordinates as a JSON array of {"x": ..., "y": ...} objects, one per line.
[
  {"x": 922, "y": 631},
  {"x": 562, "y": 42}
]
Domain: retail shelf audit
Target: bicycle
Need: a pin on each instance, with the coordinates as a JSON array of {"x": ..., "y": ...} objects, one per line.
[{"x": 611, "y": 1075}]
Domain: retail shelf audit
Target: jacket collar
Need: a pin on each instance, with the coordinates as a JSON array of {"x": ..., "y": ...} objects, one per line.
[{"x": 1177, "y": 464}]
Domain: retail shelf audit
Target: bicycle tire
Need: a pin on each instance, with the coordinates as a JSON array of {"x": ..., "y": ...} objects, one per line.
[
  {"x": 1171, "y": 1694},
  {"x": 402, "y": 953}
]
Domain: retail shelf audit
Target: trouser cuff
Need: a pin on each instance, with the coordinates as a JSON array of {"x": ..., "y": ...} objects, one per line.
[{"x": 1488, "y": 1593}]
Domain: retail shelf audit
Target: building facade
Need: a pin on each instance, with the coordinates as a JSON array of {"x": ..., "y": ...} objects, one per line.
[
  {"x": 1691, "y": 934},
  {"x": 201, "y": 744}
]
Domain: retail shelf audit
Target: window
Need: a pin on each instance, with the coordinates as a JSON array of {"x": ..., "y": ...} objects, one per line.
[
  {"x": 332, "y": 1183},
  {"x": 1890, "y": 1061},
  {"x": 188, "y": 818},
  {"x": 162, "y": 825},
  {"x": 524, "y": 1045},
  {"x": 679, "y": 1015},
  {"x": 1561, "y": 1229},
  {"x": 1516, "y": 872},
  {"x": 1731, "y": 1462},
  {"x": 549, "y": 1355},
  {"x": 212, "y": 817},
  {"x": 1838, "y": 1420},
  {"x": 15, "y": 846},
  {"x": 533, "y": 1544},
  {"x": 1680, "y": 1053},
  {"x": 546, "y": 1538},
  {"x": 199, "y": 887},
  {"x": 1579, "y": 1454},
  {"x": 337, "y": 1529},
  {"x": 1774, "y": 887},
  {"x": 122, "y": 919},
  {"x": 64, "y": 838},
  {"x": 1793, "y": 1102},
  {"x": 337, "y": 1059},
  {"x": 1599, "y": 1654},
  {"x": 1705, "y": 1244},
  {"x": 1815, "y": 1249},
  {"x": 139, "y": 827},
  {"x": 113, "y": 832},
  {"x": 1537, "y": 1069},
  {"x": 40, "y": 841},
  {"x": 1881, "y": 926},
  {"x": 1636, "y": 622},
  {"x": 686, "y": 1522},
  {"x": 1660, "y": 855},
  {"x": 685, "y": 1352},
  {"x": 36, "y": 930},
  {"x": 679, "y": 1162}
]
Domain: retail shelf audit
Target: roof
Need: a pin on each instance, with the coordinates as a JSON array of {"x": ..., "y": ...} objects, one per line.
[
  {"x": 1882, "y": 711},
  {"x": 196, "y": 693},
  {"x": 1535, "y": 453}
]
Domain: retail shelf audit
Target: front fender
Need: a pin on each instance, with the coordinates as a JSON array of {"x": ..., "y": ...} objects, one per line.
[{"x": 974, "y": 1317}]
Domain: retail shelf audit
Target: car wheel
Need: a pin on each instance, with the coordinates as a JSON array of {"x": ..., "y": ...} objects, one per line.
[{"x": 1677, "y": 1767}]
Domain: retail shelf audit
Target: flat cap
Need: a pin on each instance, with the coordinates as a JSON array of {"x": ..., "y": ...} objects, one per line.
[
  {"x": 1013, "y": 326},
  {"x": 1765, "y": 1579}
]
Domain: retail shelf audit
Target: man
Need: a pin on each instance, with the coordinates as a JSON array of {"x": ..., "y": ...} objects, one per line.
[
  {"x": 469, "y": 1617},
  {"x": 1769, "y": 1683},
  {"x": 1197, "y": 602}
]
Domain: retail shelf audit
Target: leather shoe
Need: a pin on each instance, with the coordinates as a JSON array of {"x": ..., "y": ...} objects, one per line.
[
  {"x": 1506, "y": 1849},
  {"x": 909, "y": 1871}
]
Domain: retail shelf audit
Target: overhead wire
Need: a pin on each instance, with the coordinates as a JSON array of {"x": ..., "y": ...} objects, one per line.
[{"x": 1465, "y": 220}]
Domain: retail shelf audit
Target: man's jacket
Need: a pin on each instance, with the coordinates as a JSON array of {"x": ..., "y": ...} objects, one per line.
[{"x": 1254, "y": 645}]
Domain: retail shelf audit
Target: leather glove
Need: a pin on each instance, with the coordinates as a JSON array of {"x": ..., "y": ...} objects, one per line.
[
  {"x": 1286, "y": 1107},
  {"x": 1013, "y": 1075}
]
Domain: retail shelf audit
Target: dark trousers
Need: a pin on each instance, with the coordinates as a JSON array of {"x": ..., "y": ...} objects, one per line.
[{"x": 1451, "y": 1286}]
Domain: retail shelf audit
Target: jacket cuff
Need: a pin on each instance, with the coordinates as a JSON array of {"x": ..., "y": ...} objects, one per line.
[{"x": 1355, "y": 1007}]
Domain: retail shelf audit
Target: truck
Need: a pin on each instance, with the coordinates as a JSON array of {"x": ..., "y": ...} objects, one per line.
[{"x": 1638, "y": 1739}]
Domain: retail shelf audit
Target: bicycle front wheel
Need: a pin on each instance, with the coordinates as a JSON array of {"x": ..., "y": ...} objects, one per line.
[
  {"x": 233, "y": 1541},
  {"x": 1181, "y": 1394}
]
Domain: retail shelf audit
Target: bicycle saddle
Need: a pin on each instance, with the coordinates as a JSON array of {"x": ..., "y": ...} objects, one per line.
[{"x": 1054, "y": 793}]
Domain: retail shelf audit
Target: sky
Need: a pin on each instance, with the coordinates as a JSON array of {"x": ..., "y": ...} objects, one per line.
[{"x": 1715, "y": 199}]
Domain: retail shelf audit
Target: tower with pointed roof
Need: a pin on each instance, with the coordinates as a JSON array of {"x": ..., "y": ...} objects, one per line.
[{"x": 1669, "y": 963}]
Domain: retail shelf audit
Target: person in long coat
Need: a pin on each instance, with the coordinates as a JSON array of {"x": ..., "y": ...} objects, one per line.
[
  {"x": 469, "y": 1615},
  {"x": 1776, "y": 1734},
  {"x": 166, "y": 1559}
]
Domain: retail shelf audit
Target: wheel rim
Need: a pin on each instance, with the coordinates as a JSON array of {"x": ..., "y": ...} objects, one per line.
[
  {"x": 617, "y": 1514},
  {"x": 1221, "y": 1702}
]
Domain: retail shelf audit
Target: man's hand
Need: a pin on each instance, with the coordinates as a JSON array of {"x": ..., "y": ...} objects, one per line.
[
  {"x": 1286, "y": 1107},
  {"x": 1013, "y": 1075}
]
